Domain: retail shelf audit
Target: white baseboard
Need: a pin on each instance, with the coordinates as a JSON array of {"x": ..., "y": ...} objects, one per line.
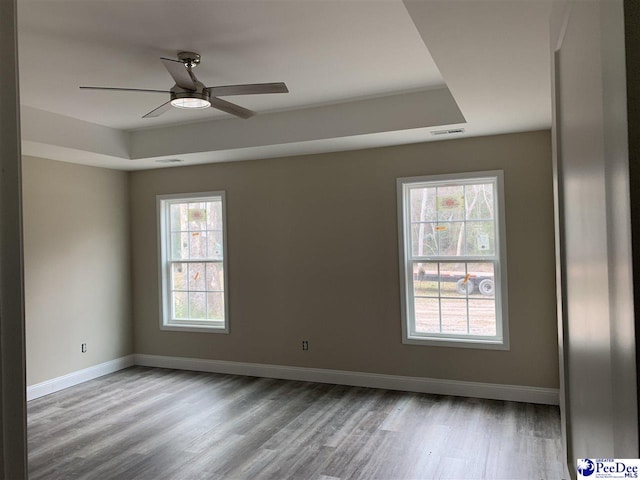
[
  {"x": 516, "y": 393},
  {"x": 80, "y": 376}
]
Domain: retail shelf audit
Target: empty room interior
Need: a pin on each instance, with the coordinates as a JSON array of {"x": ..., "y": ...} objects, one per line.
[{"x": 318, "y": 239}]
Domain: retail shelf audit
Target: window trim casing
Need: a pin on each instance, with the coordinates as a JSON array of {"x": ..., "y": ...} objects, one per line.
[
  {"x": 404, "y": 246},
  {"x": 163, "y": 264}
]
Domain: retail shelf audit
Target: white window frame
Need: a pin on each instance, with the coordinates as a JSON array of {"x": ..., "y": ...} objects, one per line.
[
  {"x": 409, "y": 336},
  {"x": 166, "y": 322}
]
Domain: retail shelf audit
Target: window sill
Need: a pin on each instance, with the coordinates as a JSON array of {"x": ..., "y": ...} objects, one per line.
[
  {"x": 195, "y": 328},
  {"x": 457, "y": 343}
]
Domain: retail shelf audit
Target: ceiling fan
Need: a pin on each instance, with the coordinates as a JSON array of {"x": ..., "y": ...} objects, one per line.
[{"x": 189, "y": 92}]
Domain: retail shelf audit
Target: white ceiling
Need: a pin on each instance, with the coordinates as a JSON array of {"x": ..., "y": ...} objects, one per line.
[{"x": 359, "y": 73}]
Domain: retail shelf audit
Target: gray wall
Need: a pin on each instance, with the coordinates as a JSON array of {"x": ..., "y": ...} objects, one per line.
[
  {"x": 313, "y": 254},
  {"x": 600, "y": 410},
  {"x": 77, "y": 269}
]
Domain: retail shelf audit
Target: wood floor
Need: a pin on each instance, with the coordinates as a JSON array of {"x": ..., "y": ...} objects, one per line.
[{"x": 149, "y": 423}]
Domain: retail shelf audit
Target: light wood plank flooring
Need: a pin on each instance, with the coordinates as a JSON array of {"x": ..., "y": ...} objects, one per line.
[{"x": 148, "y": 423}]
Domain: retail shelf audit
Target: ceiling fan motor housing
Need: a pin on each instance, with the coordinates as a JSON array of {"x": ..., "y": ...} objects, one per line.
[
  {"x": 190, "y": 59},
  {"x": 182, "y": 93}
]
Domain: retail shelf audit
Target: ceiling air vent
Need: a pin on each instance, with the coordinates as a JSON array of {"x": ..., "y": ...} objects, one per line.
[
  {"x": 169, "y": 160},
  {"x": 448, "y": 132}
]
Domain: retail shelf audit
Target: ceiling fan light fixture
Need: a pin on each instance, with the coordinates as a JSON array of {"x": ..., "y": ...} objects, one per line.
[
  {"x": 190, "y": 102},
  {"x": 190, "y": 99}
]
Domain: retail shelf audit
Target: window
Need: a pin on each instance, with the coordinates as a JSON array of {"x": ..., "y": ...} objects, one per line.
[
  {"x": 452, "y": 254},
  {"x": 193, "y": 268}
]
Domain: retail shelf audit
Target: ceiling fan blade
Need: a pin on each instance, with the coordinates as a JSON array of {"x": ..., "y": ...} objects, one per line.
[
  {"x": 126, "y": 89},
  {"x": 158, "y": 111},
  {"x": 249, "y": 89},
  {"x": 231, "y": 108},
  {"x": 179, "y": 73}
]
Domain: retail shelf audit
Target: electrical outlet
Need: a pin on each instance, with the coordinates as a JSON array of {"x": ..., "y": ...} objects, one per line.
[
  {"x": 83, "y": 348},
  {"x": 305, "y": 345}
]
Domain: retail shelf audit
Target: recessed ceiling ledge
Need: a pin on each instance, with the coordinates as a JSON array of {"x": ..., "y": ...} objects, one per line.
[
  {"x": 364, "y": 117},
  {"x": 394, "y": 119},
  {"x": 62, "y": 132}
]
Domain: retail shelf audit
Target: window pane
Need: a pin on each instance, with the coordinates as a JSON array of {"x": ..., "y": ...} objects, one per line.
[
  {"x": 197, "y": 245},
  {"x": 180, "y": 305},
  {"x": 482, "y": 316},
  {"x": 179, "y": 276},
  {"x": 454, "y": 281},
  {"x": 481, "y": 238},
  {"x": 197, "y": 305},
  {"x": 196, "y": 276},
  {"x": 215, "y": 306},
  {"x": 214, "y": 215},
  {"x": 179, "y": 246},
  {"x": 423, "y": 204},
  {"x": 450, "y": 203},
  {"x": 215, "y": 277},
  {"x": 483, "y": 277},
  {"x": 214, "y": 244},
  {"x": 427, "y": 315},
  {"x": 178, "y": 217},
  {"x": 479, "y": 201},
  {"x": 454, "y": 315},
  {"x": 450, "y": 238},
  {"x": 425, "y": 279},
  {"x": 423, "y": 239},
  {"x": 452, "y": 284},
  {"x": 197, "y": 216}
]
